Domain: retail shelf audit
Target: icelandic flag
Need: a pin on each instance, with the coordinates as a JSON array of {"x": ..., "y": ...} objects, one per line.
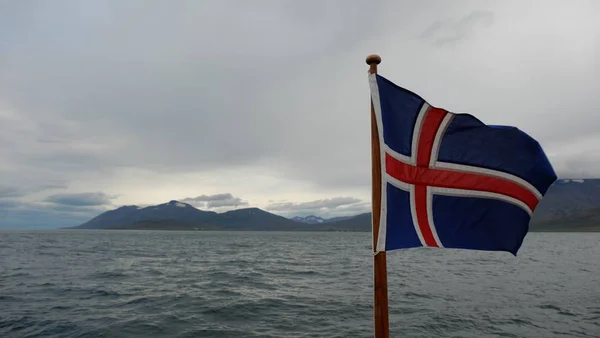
[{"x": 449, "y": 180}]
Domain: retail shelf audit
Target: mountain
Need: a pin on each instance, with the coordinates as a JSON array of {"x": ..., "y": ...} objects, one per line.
[
  {"x": 361, "y": 222},
  {"x": 254, "y": 219},
  {"x": 566, "y": 197},
  {"x": 312, "y": 219},
  {"x": 163, "y": 224},
  {"x": 128, "y": 215},
  {"x": 569, "y": 205},
  {"x": 580, "y": 220},
  {"x": 176, "y": 215},
  {"x": 337, "y": 219}
]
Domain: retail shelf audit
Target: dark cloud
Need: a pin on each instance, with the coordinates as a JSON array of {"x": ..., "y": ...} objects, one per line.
[
  {"x": 8, "y": 204},
  {"x": 12, "y": 191},
  {"x": 208, "y": 198},
  {"x": 215, "y": 201},
  {"x": 50, "y": 185},
  {"x": 81, "y": 199},
  {"x": 6, "y": 191},
  {"x": 79, "y": 209},
  {"x": 40, "y": 219},
  {"x": 20, "y": 215}
]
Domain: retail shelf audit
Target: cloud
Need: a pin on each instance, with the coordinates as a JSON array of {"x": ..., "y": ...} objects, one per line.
[
  {"x": 337, "y": 206},
  {"x": 8, "y": 204},
  {"x": 80, "y": 199},
  {"x": 6, "y": 191},
  {"x": 215, "y": 201},
  {"x": 21, "y": 215},
  {"x": 581, "y": 161},
  {"x": 13, "y": 191},
  {"x": 158, "y": 109},
  {"x": 155, "y": 100},
  {"x": 443, "y": 32}
]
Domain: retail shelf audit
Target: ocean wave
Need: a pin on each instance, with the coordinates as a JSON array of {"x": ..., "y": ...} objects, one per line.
[{"x": 146, "y": 285}]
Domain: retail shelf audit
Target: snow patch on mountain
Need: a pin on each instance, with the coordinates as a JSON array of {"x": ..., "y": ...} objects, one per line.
[
  {"x": 571, "y": 180},
  {"x": 312, "y": 219}
]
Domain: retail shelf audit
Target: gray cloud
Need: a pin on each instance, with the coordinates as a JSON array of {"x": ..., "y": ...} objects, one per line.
[
  {"x": 50, "y": 185},
  {"x": 331, "y": 207},
  {"x": 8, "y": 204},
  {"x": 209, "y": 198},
  {"x": 81, "y": 199},
  {"x": 40, "y": 219},
  {"x": 23, "y": 190},
  {"x": 325, "y": 203},
  {"x": 195, "y": 100},
  {"x": 154, "y": 109},
  {"x": 6, "y": 191},
  {"x": 20, "y": 215},
  {"x": 443, "y": 32},
  {"x": 215, "y": 201},
  {"x": 91, "y": 90}
]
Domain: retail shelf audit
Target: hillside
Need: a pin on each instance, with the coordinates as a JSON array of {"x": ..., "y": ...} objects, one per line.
[
  {"x": 127, "y": 216},
  {"x": 312, "y": 219},
  {"x": 565, "y": 197},
  {"x": 254, "y": 219},
  {"x": 360, "y": 222},
  {"x": 163, "y": 224},
  {"x": 570, "y": 205},
  {"x": 580, "y": 220},
  {"x": 176, "y": 215}
]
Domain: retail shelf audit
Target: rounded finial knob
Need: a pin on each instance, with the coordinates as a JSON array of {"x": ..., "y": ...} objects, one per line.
[{"x": 373, "y": 59}]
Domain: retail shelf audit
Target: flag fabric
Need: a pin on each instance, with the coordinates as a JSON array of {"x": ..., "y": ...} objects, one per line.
[{"x": 449, "y": 180}]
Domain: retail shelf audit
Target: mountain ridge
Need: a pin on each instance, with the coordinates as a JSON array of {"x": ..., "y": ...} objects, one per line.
[
  {"x": 312, "y": 219},
  {"x": 569, "y": 205}
]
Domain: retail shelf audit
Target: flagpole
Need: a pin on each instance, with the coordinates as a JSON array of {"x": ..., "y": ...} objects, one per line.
[{"x": 380, "y": 301}]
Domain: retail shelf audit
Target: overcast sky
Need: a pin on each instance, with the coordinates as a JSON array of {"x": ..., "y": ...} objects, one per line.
[{"x": 227, "y": 104}]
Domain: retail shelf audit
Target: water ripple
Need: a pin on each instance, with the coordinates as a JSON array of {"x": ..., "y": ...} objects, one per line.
[{"x": 264, "y": 284}]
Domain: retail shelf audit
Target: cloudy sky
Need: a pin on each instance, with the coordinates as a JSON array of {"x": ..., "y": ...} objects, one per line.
[{"x": 227, "y": 104}]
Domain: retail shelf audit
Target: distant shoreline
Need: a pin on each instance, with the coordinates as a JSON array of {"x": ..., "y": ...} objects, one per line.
[
  {"x": 220, "y": 230},
  {"x": 590, "y": 230}
]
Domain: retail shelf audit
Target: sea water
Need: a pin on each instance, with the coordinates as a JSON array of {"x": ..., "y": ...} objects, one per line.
[{"x": 88, "y": 283}]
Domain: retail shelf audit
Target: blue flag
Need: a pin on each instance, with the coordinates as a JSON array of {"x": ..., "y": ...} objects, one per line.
[{"x": 449, "y": 180}]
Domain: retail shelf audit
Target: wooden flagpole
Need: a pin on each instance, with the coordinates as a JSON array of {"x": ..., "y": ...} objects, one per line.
[{"x": 380, "y": 304}]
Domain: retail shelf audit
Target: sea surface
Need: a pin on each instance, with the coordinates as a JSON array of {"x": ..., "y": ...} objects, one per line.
[{"x": 78, "y": 283}]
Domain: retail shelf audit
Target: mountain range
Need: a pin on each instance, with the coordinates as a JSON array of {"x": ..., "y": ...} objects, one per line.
[
  {"x": 569, "y": 205},
  {"x": 312, "y": 219}
]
